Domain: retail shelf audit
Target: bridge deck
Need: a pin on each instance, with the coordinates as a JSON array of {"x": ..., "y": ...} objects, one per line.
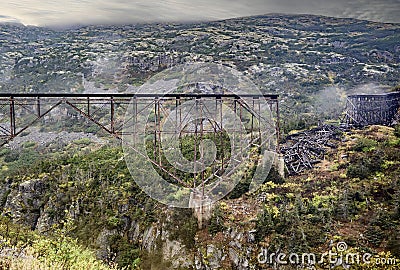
[{"x": 138, "y": 95}]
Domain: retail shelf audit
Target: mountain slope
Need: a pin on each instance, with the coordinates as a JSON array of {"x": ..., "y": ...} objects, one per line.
[{"x": 353, "y": 197}]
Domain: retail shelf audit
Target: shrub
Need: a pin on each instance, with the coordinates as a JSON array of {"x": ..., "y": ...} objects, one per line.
[
  {"x": 83, "y": 141},
  {"x": 358, "y": 170},
  {"x": 126, "y": 254},
  {"x": 113, "y": 223},
  {"x": 365, "y": 145},
  {"x": 32, "y": 251},
  {"x": 66, "y": 254},
  {"x": 241, "y": 188},
  {"x": 374, "y": 235},
  {"x": 217, "y": 221},
  {"x": 11, "y": 156},
  {"x": 28, "y": 144},
  {"x": 397, "y": 130},
  {"x": 183, "y": 227},
  {"x": 274, "y": 176},
  {"x": 4, "y": 152},
  {"x": 394, "y": 244},
  {"x": 364, "y": 167}
]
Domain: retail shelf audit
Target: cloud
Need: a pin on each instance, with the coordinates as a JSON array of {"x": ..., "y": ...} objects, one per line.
[
  {"x": 373, "y": 10},
  {"x": 8, "y": 19},
  {"x": 62, "y": 12}
]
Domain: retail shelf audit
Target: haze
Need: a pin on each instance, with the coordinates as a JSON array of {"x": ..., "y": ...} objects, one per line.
[{"x": 83, "y": 12}]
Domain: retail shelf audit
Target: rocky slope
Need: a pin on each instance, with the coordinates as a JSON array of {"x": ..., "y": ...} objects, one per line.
[
  {"x": 303, "y": 58},
  {"x": 353, "y": 197}
]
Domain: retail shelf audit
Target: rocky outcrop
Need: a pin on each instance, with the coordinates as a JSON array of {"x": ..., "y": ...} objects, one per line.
[
  {"x": 24, "y": 203},
  {"x": 154, "y": 239},
  {"x": 30, "y": 204},
  {"x": 236, "y": 250}
]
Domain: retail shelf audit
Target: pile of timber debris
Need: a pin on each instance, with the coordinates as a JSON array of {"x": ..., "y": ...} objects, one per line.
[{"x": 304, "y": 149}]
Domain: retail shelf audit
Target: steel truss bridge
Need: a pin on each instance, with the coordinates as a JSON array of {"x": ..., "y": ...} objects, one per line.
[
  {"x": 106, "y": 112},
  {"x": 18, "y": 112}
]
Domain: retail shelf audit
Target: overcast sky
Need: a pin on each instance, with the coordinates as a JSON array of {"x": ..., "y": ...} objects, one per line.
[{"x": 72, "y": 12}]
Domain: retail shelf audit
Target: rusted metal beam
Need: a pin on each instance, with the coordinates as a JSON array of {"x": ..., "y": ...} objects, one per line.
[
  {"x": 138, "y": 95},
  {"x": 12, "y": 117}
]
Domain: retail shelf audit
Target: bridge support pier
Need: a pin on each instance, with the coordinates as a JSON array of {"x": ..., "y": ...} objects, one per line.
[
  {"x": 280, "y": 165},
  {"x": 202, "y": 207}
]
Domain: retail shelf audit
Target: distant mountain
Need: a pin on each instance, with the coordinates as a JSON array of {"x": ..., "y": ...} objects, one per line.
[
  {"x": 294, "y": 55},
  {"x": 301, "y": 50}
]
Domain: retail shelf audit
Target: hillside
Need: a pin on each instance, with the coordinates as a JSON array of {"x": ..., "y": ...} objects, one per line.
[
  {"x": 274, "y": 49},
  {"x": 352, "y": 197},
  {"x": 68, "y": 200},
  {"x": 304, "y": 58}
]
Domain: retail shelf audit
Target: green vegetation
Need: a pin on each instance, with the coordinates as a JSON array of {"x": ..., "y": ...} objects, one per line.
[
  {"x": 28, "y": 250},
  {"x": 184, "y": 227},
  {"x": 358, "y": 202},
  {"x": 95, "y": 205},
  {"x": 397, "y": 131},
  {"x": 217, "y": 220},
  {"x": 93, "y": 181}
]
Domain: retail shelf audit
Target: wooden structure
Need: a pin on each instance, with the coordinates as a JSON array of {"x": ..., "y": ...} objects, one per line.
[
  {"x": 377, "y": 109},
  {"x": 301, "y": 151}
]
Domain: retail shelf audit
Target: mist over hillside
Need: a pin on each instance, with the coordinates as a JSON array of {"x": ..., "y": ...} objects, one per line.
[
  {"x": 282, "y": 53},
  {"x": 297, "y": 56}
]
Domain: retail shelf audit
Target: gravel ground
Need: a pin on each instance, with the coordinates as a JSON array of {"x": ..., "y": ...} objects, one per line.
[{"x": 45, "y": 138}]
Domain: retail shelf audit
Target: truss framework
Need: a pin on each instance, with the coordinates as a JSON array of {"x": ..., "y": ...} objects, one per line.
[
  {"x": 105, "y": 111},
  {"x": 18, "y": 112},
  {"x": 378, "y": 109}
]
